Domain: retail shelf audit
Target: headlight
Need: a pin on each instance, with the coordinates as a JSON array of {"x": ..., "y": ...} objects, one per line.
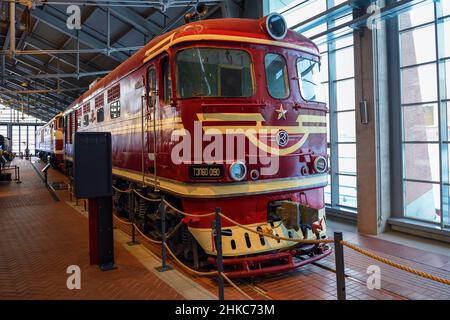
[
  {"x": 276, "y": 26},
  {"x": 320, "y": 164},
  {"x": 238, "y": 171}
]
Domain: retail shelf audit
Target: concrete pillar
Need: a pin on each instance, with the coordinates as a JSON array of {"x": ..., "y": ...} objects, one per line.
[{"x": 372, "y": 138}]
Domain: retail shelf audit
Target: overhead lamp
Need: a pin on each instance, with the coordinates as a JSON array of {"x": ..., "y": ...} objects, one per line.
[{"x": 276, "y": 26}]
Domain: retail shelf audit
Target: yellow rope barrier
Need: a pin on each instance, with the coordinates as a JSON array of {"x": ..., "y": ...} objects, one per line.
[
  {"x": 123, "y": 191},
  {"x": 122, "y": 221},
  {"x": 395, "y": 264},
  {"x": 276, "y": 237},
  {"x": 148, "y": 238},
  {"x": 146, "y": 198},
  {"x": 188, "y": 214},
  {"x": 210, "y": 273},
  {"x": 310, "y": 241},
  {"x": 236, "y": 287}
]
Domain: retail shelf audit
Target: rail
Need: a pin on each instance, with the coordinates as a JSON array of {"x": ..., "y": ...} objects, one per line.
[{"x": 338, "y": 241}]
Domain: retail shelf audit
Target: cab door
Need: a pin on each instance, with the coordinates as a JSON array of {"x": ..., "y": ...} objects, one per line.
[{"x": 151, "y": 122}]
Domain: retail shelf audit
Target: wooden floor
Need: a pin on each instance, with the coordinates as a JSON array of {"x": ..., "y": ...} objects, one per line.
[{"x": 41, "y": 237}]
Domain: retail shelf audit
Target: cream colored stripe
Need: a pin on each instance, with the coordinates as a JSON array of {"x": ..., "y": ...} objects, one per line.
[
  {"x": 227, "y": 189},
  {"x": 230, "y": 117},
  {"x": 216, "y": 37}
]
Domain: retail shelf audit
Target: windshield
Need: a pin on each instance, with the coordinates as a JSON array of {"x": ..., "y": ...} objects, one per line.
[
  {"x": 209, "y": 72},
  {"x": 309, "y": 80}
]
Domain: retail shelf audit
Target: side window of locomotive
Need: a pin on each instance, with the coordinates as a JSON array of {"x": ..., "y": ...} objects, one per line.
[
  {"x": 308, "y": 73},
  {"x": 151, "y": 85},
  {"x": 212, "y": 72},
  {"x": 100, "y": 114},
  {"x": 86, "y": 120},
  {"x": 167, "y": 81},
  {"x": 276, "y": 76},
  {"x": 114, "y": 109}
]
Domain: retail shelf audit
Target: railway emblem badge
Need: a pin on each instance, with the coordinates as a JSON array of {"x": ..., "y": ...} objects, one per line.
[{"x": 282, "y": 138}]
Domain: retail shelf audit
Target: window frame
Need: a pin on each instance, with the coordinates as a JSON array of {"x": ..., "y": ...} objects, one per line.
[
  {"x": 252, "y": 71},
  {"x": 300, "y": 79},
  {"x": 163, "y": 90},
  {"x": 85, "y": 120},
  {"x": 110, "y": 109},
  {"x": 287, "y": 79},
  {"x": 102, "y": 112}
]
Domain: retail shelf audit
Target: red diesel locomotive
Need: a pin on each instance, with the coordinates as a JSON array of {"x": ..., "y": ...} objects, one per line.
[
  {"x": 49, "y": 141},
  {"x": 218, "y": 113}
]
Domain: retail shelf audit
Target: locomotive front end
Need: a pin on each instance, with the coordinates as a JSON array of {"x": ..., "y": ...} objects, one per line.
[{"x": 255, "y": 144}]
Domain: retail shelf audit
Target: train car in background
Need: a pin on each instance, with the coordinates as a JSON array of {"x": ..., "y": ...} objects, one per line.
[
  {"x": 49, "y": 141},
  {"x": 226, "y": 74}
]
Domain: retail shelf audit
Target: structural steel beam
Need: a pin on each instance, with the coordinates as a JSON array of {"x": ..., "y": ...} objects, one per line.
[
  {"x": 67, "y": 59},
  {"x": 84, "y": 37},
  {"x": 135, "y": 20}
]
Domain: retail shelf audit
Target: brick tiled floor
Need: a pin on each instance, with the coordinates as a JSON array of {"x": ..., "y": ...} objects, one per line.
[
  {"x": 40, "y": 238},
  {"x": 314, "y": 281}
]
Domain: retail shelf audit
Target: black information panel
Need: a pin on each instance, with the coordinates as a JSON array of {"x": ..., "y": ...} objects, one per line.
[
  {"x": 204, "y": 171},
  {"x": 92, "y": 165}
]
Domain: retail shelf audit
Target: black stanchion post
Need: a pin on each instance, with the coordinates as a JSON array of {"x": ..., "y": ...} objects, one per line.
[
  {"x": 164, "y": 265},
  {"x": 340, "y": 267},
  {"x": 18, "y": 175},
  {"x": 218, "y": 232},
  {"x": 133, "y": 228}
]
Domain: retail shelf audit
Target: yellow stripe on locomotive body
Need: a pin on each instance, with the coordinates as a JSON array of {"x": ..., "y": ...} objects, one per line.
[
  {"x": 305, "y": 125},
  {"x": 218, "y": 190},
  {"x": 150, "y": 54}
]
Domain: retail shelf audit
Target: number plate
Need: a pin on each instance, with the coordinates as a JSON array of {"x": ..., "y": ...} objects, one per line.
[{"x": 206, "y": 172}]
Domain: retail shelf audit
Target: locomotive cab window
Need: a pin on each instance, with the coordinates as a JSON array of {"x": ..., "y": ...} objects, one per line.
[
  {"x": 114, "y": 109},
  {"x": 85, "y": 120},
  {"x": 309, "y": 80},
  {"x": 213, "y": 72},
  {"x": 151, "y": 86},
  {"x": 276, "y": 76},
  {"x": 100, "y": 115},
  {"x": 167, "y": 81}
]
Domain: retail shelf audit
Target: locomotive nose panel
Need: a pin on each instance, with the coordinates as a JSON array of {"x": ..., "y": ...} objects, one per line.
[{"x": 237, "y": 241}]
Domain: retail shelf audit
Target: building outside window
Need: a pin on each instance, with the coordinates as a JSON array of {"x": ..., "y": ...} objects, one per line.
[
  {"x": 424, "y": 42},
  {"x": 337, "y": 72}
]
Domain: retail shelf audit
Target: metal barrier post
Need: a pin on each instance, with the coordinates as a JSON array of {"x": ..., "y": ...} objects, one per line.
[
  {"x": 340, "y": 267},
  {"x": 164, "y": 265},
  {"x": 218, "y": 233},
  {"x": 18, "y": 175},
  {"x": 133, "y": 228}
]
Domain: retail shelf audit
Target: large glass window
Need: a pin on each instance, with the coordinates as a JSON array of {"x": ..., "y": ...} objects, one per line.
[
  {"x": 309, "y": 80},
  {"x": 16, "y": 141},
  {"x": 425, "y": 138},
  {"x": 338, "y": 82},
  {"x": 212, "y": 72},
  {"x": 276, "y": 75}
]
